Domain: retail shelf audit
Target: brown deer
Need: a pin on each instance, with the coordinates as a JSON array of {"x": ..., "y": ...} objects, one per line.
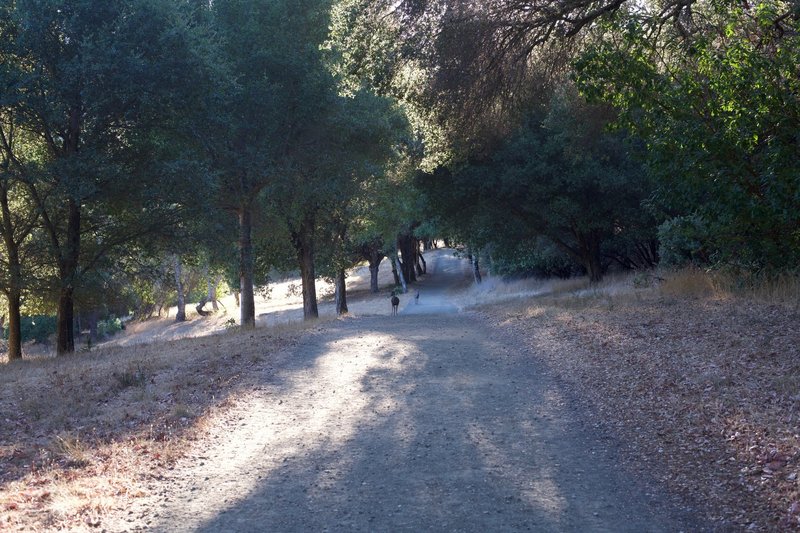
[{"x": 395, "y": 304}]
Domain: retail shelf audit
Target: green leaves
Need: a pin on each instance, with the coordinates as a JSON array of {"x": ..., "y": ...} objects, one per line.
[{"x": 720, "y": 115}]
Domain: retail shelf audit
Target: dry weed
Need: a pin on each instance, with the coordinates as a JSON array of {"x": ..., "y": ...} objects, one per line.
[
  {"x": 778, "y": 289},
  {"x": 703, "y": 385},
  {"x": 85, "y": 429},
  {"x": 688, "y": 283}
]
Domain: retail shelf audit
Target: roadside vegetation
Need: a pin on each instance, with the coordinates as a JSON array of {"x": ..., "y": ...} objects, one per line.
[{"x": 621, "y": 175}]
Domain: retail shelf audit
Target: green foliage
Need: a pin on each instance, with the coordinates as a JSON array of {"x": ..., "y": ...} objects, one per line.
[
  {"x": 38, "y": 328},
  {"x": 536, "y": 258},
  {"x": 560, "y": 176},
  {"x": 109, "y": 326},
  {"x": 720, "y": 115},
  {"x": 683, "y": 240}
]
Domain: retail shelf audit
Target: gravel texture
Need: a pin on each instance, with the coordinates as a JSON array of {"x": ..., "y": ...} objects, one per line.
[{"x": 429, "y": 421}]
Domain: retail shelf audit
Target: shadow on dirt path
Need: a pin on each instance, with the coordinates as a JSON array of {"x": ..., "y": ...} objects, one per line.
[{"x": 421, "y": 422}]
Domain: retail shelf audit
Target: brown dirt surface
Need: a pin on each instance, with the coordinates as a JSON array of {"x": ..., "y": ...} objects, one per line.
[
  {"x": 599, "y": 413},
  {"x": 432, "y": 420},
  {"x": 704, "y": 394}
]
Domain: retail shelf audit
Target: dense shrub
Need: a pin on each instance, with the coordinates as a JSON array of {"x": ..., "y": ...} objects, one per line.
[
  {"x": 109, "y": 326},
  {"x": 37, "y": 328},
  {"x": 682, "y": 241}
]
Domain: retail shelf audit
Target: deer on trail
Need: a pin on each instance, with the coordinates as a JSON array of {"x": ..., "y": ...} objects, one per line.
[{"x": 395, "y": 304}]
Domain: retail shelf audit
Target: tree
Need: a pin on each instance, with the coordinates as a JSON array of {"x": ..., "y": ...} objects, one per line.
[
  {"x": 560, "y": 176},
  {"x": 18, "y": 219},
  {"x": 90, "y": 82},
  {"x": 351, "y": 141},
  {"x": 719, "y": 111}
]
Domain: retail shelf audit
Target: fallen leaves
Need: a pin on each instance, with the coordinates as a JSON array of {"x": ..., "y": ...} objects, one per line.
[
  {"x": 706, "y": 393},
  {"x": 73, "y": 444}
]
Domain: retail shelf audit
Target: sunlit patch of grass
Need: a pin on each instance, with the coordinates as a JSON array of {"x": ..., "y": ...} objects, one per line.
[
  {"x": 688, "y": 283},
  {"x": 71, "y": 450},
  {"x": 773, "y": 289}
]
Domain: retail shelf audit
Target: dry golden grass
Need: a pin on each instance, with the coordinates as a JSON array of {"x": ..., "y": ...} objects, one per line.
[
  {"x": 779, "y": 289},
  {"x": 698, "y": 374},
  {"x": 78, "y": 432}
]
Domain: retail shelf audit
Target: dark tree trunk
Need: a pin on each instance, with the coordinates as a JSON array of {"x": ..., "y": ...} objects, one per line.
[
  {"x": 65, "y": 319},
  {"x": 372, "y": 252},
  {"x": 14, "y": 326},
  {"x": 373, "y": 276},
  {"x": 417, "y": 254},
  {"x": 424, "y": 264},
  {"x": 476, "y": 269},
  {"x": 341, "y": 293},
  {"x": 375, "y": 258},
  {"x": 594, "y": 265},
  {"x": 406, "y": 245},
  {"x": 14, "y": 289},
  {"x": 303, "y": 241},
  {"x": 401, "y": 280},
  {"x": 395, "y": 272},
  {"x": 246, "y": 299},
  {"x": 68, "y": 272},
  {"x": 180, "y": 316},
  {"x": 587, "y": 252}
]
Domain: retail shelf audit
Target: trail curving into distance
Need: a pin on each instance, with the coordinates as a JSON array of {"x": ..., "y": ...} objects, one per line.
[{"x": 428, "y": 421}]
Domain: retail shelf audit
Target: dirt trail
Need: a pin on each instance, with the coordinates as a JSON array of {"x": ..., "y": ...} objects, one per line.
[{"x": 429, "y": 421}]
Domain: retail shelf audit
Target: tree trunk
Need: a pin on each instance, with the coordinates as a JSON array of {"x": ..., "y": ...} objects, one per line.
[
  {"x": 212, "y": 293},
  {"x": 64, "y": 321},
  {"x": 303, "y": 240},
  {"x": 424, "y": 264},
  {"x": 375, "y": 258},
  {"x": 247, "y": 299},
  {"x": 373, "y": 277},
  {"x": 476, "y": 269},
  {"x": 395, "y": 272},
  {"x": 400, "y": 275},
  {"x": 341, "y": 293},
  {"x": 14, "y": 290},
  {"x": 14, "y": 326},
  {"x": 406, "y": 245},
  {"x": 181, "y": 314},
  {"x": 589, "y": 250},
  {"x": 68, "y": 271},
  {"x": 417, "y": 254},
  {"x": 594, "y": 266}
]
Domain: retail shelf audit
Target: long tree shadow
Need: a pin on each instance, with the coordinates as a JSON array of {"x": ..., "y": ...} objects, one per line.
[{"x": 451, "y": 431}]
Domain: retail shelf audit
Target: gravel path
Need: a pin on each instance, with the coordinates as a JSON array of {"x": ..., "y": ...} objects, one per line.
[{"x": 421, "y": 422}]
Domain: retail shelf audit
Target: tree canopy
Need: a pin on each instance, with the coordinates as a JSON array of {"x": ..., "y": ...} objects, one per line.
[{"x": 153, "y": 142}]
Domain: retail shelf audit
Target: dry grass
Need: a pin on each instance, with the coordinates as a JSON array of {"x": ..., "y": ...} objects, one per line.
[
  {"x": 779, "y": 289},
  {"x": 697, "y": 374},
  {"x": 79, "y": 432},
  {"x": 82, "y": 434}
]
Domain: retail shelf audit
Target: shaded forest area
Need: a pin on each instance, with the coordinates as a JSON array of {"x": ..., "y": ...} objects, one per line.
[
  {"x": 159, "y": 152},
  {"x": 153, "y": 152}
]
